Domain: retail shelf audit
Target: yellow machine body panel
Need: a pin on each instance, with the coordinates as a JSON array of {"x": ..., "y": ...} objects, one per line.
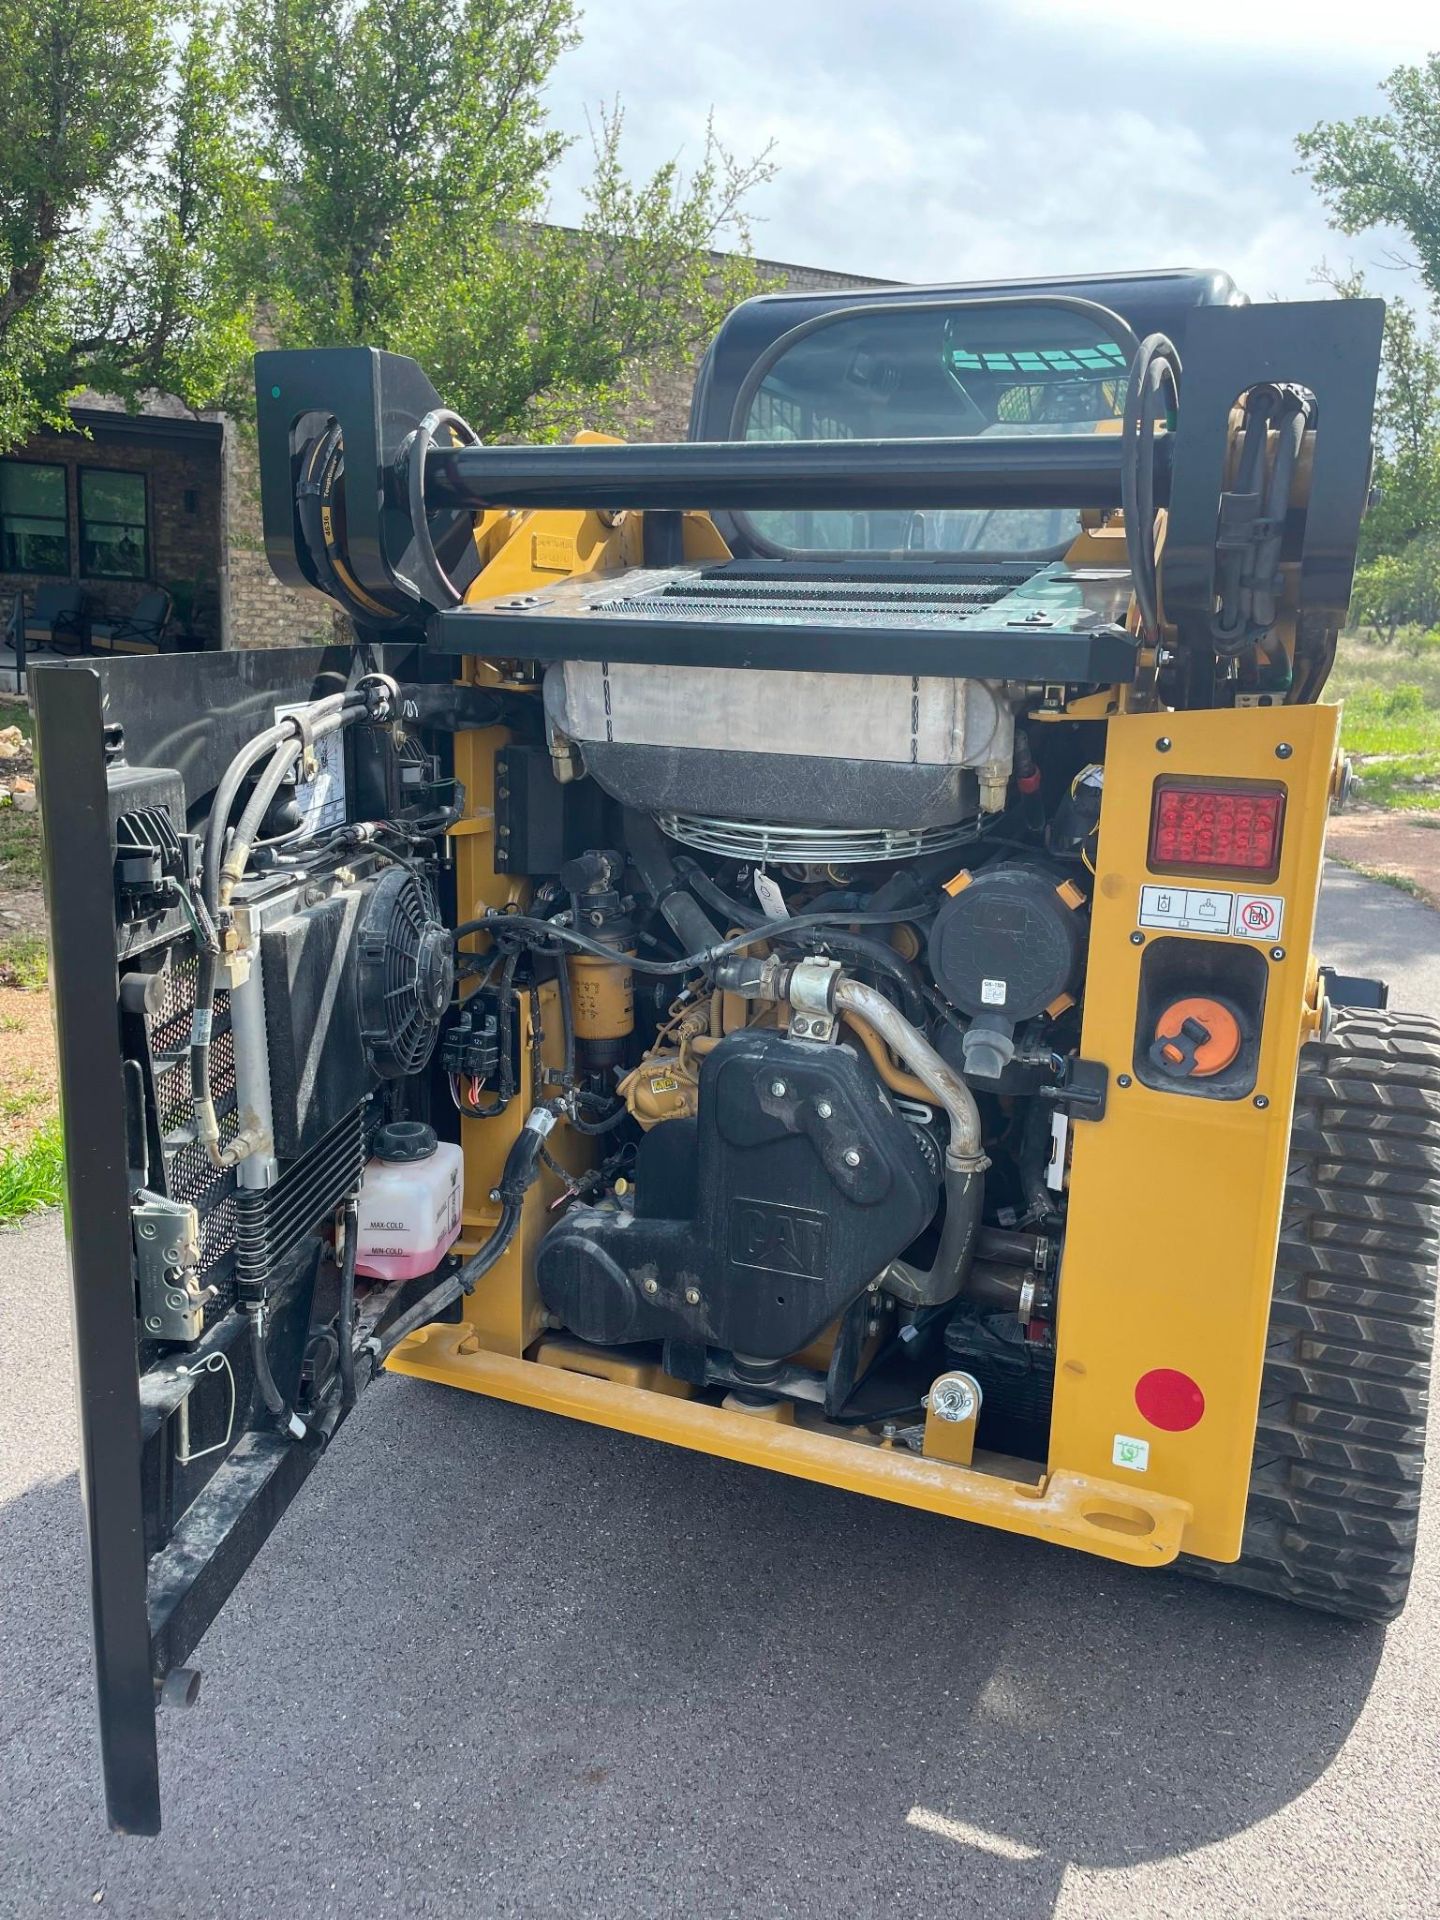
[
  {"x": 1175, "y": 1198},
  {"x": 1142, "y": 1529}
]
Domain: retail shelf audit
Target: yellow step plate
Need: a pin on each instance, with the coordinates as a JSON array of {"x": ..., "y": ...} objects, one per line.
[{"x": 1141, "y": 1528}]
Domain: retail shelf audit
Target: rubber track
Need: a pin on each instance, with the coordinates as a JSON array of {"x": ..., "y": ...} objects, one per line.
[{"x": 1339, "y": 1448}]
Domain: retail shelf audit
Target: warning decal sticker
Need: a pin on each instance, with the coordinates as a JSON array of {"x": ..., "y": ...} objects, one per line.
[
  {"x": 1258, "y": 915},
  {"x": 1240, "y": 916}
]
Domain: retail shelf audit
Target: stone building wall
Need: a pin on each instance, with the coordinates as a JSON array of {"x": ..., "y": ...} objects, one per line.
[{"x": 260, "y": 611}]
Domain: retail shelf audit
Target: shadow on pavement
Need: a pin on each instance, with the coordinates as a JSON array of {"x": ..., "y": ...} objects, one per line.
[{"x": 494, "y": 1662}]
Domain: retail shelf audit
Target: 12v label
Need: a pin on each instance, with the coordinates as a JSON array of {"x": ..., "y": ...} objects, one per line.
[{"x": 1239, "y": 916}]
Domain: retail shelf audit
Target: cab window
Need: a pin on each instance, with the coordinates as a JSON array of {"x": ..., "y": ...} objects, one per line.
[{"x": 923, "y": 373}]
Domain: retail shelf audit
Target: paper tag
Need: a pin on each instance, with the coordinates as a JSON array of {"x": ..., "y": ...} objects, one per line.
[
  {"x": 994, "y": 993},
  {"x": 1055, "y": 1166},
  {"x": 770, "y": 897},
  {"x": 321, "y": 800}
]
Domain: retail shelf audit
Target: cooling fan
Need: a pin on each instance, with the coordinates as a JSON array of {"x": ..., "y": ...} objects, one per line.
[{"x": 406, "y": 973}]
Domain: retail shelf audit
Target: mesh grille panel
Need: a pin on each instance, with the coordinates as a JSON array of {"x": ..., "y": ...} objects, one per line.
[
  {"x": 170, "y": 1023},
  {"x": 853, "y": 611},
  {"x": 841, "y": 591},
  {"x": 190, "y": 1176},
  {"x": 839, "y": 599}
]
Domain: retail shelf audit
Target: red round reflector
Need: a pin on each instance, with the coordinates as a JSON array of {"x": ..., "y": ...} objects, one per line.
[{"x": 1169, "y": 1400}]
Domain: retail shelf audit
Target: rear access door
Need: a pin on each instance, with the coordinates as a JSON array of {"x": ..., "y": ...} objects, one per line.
[{"x": 185, "y": 1468}]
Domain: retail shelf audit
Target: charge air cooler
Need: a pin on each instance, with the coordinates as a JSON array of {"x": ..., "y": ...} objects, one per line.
[{"x": 893, "y": 763}]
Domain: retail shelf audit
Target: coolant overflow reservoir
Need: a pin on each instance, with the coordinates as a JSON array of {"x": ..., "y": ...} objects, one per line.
[{"x": 409, "y": 1202}]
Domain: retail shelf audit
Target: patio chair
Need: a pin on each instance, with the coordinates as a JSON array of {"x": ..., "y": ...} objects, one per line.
[
  {"x": 55, "y": 620},
  {"x": 142, "y": 631}
]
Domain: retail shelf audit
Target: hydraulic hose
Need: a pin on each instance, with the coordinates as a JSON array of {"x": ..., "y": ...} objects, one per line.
[
  {"x": 565, "y": 992},
  {"x": 597, "y": 1127},
  {"x": 282, "y": 762},
  {"x": 853, "y": 947},
  {"x": 650, "y": 855},
  {"x": 282, "y": 742},
  {"x": 1290, "y": 426},
  {"x": 434, "y": 586},
  {"x": 1156, "y": 365},
  {"x": 499, "y": 922},
  {"x": 235, "y": 776},
  {"x": 1234, "y": 561},
  {"x": 318, "y": 505},
  {"x": 229, "y": 788},
  {"x": 740, "y": 913},
  {"x": 270, "y": 1393}
]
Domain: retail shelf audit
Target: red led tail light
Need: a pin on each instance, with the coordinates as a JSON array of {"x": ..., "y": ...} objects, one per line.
[{"x": 1210, "y": 828}]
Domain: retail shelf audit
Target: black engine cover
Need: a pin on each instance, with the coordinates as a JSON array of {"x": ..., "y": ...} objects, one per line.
[{"x": 785, "y": 1231}]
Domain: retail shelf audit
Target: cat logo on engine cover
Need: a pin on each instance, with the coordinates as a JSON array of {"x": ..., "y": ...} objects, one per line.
[{"x": 778, "y": 1239}]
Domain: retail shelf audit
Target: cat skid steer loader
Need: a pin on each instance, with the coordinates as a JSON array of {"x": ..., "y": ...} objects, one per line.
[{"x": 795, "y": 943}]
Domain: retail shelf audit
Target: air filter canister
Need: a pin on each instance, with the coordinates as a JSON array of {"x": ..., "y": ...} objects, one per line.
[{"x": 1009, "y": 942}]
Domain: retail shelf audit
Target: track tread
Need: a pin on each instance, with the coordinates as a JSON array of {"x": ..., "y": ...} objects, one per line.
[{"x": 1339, "y": 1445}]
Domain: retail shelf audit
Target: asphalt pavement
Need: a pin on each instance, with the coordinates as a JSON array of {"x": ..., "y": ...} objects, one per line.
[{"x": 494, "y": 1662}]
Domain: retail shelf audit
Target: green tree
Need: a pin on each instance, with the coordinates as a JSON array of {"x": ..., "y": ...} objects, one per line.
[
  {"x": 412, "y": 163},
  {"x": 132, "y": 206},
  {"x": 368, "y": 171},
  {"x": 1383, "y": 170},
  {"x": 1399, "y": 552},
  {"x": 80, "y": 88},
  {"x": 186, "y": 238}
]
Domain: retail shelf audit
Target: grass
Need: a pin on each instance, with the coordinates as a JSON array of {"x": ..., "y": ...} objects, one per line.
[
  {"x": 24, "y": 962},
  {"x": 1387, "y": 877},
  {"x": 1392, "y": 718},
  {"x": 30, "y": 1176},
  {"x": 31, "y": 1165},
  {"x": 13, "y": 1106},
  {"x": 19, "y": 848}
]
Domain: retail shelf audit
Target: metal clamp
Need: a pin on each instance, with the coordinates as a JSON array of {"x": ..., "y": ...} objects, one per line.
[
  {"x": 382, "y": 696},
  {"x": 811, "y": 993}
]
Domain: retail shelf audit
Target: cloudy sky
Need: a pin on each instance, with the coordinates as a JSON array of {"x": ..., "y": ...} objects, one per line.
[{"x": 932, "y": 140}]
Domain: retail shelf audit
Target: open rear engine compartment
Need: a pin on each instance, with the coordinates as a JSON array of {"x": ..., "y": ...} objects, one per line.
[{"x": 791, "y": 1131}]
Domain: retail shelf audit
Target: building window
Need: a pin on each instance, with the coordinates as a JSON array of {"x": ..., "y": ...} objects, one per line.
[
  {"x": 114, "y": 543},
  {"x": 34, "y": 522}
]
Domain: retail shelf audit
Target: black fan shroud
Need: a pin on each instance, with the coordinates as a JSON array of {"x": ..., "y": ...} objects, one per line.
[{"x": 406, "y": 973}]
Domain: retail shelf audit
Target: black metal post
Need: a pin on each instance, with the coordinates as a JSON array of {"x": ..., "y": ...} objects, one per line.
[{"x": 78, "y": 866}]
